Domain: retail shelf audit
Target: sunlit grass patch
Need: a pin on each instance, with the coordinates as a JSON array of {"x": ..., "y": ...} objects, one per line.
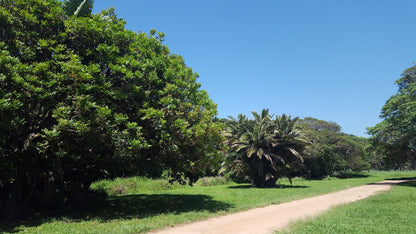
[{"x": 133, "y": 185}]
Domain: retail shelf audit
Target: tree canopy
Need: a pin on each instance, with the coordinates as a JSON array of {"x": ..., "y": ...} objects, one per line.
[
  {"x": 395, "y": 136},
  {"x": 84, "y": 98},
  {"x": 331, "y": 152}
]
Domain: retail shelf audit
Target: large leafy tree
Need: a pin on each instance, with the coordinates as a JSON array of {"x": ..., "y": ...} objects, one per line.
[
  {"x": 83, "y": 98},
  {"x": 395, "y": 136},
  {"x": 264, "y": 147}
]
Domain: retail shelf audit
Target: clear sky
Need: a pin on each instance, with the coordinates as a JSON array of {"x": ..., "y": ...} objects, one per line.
[{"x": 334, "y": 60}]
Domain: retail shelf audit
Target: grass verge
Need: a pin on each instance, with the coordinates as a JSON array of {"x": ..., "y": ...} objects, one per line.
[
  {"x": 148, "y": 205},
  {"x": 392, "y": 212}
]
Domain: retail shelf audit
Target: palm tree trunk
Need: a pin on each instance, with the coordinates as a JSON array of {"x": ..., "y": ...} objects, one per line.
[
  {"x": 262, "y": 174},
  {"x": 259, "y": 173}
]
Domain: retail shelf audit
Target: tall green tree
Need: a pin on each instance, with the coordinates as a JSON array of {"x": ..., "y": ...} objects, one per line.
[
  {"x": 83, "y": 98},
  {"x": 395, "y": 136}
]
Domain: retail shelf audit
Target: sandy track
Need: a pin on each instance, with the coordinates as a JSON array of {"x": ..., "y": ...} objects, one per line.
[{"x": 274, "y": 217}]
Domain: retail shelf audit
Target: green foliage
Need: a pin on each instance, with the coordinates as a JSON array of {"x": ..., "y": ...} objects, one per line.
[
  {"x": 263, "y": 148},
  {"x": 320, "y": 125},
  {"x": 395, "y": 136},
  {"x": 332, "y": 153},
  {"x": 83, "y": 98}
]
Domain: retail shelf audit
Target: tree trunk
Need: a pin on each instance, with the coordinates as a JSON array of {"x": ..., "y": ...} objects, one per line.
[
  {"x": 35, "y": 189},
  {"x": 257, "y": 173}
]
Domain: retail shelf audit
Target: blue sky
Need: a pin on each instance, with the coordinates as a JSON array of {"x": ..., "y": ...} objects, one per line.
[{"x": 334, "y": 60}]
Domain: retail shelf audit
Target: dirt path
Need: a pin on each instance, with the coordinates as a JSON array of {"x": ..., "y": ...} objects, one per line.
[{"x": 274, "y": 217}]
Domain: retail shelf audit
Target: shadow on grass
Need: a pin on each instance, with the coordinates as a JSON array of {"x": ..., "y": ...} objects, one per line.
[
  {"x": 403, "y": 178},
  {"x": 278, "y": 186},
  {"x": 341, "y": 176},
  {"x": 411, "y": 183},
  {"x": 352, "y": 176},
  {"x": 132, "y": 206},
  {"x": 145, "y": 205}
]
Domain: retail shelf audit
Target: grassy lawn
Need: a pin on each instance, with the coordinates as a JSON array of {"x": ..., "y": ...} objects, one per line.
[
  {"x": 151, "y": 204},
  {"x": 392, "y": 212}
]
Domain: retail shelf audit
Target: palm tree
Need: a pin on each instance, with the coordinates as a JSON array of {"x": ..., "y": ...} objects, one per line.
[
  {"x": 253, "y": 148},
  {"x": 270, "y": 148},
  {"x": 78, "y": 7}
]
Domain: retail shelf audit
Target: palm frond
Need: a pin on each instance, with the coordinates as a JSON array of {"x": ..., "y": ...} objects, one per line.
[
  {"x": 239, "y": 147},
  {"x": 78, "y": 7},
  {"x": 260, "y": 153},
  {"x": 267, "y": 156},
  {"x": 277, "y": 158},
  {"x": 250, "y": 152},
  {"x": 296, "y": 153}
]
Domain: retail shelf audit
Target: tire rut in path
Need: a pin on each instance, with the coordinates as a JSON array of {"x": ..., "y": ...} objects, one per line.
[{"x": 274, "y": 217}]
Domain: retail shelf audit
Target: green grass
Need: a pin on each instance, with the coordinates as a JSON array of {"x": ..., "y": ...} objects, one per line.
[
  {"x": 152, "y": 204},
  {"x": 133, "y": 185},
  {"x": 392, "y": 212}
]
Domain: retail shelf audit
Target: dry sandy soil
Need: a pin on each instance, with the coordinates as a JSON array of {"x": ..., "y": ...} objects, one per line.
[{"x": 270, "y": 218}]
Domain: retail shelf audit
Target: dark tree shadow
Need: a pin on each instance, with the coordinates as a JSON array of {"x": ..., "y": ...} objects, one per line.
[
  {"x": 411, "y": 183},
  {"x": 145, "y": 205},
  {"x": 352, "y": 176},
  {"x": 132, "y": 206},
  {"x": 341, "y": 176},
  {"x": 383, "y": 183},
  {"x": 402, "y": 178},
  {"x": 278, "y": 186}
]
